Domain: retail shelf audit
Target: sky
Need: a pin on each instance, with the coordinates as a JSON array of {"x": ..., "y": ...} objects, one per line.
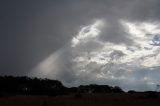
[{"x": 112, "y": 42}]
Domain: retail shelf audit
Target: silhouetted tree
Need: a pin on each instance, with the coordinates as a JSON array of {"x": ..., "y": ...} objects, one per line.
[
  {"x": 117, "y": 89},
  {"x": 37, "y": 86}
]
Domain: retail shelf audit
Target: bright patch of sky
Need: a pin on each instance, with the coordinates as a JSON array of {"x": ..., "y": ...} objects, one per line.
[{"x": 116, "y": 61}]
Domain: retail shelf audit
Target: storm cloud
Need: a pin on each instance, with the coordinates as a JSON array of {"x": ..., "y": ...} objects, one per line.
[{"x": 82, "y": 41}]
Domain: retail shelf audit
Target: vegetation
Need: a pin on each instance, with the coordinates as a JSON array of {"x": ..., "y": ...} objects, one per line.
[
  {"x": 35, "y": 86},
  {"x": 25, "y": 91}
]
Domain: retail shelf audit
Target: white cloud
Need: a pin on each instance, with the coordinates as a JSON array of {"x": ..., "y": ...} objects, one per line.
[
  {"x": 119, "y": 61},
  {"x": 87, "y": 59},
  {"x": 87, "y": 32}
]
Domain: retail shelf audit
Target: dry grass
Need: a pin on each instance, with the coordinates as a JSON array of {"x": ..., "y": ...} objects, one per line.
[{"x": 112, "y": 99}]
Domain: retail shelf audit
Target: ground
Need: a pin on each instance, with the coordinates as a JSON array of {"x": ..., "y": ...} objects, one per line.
[{"x": 111, "y": 99}]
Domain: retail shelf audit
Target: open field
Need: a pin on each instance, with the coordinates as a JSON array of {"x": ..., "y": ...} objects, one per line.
[{"x": 111, "y": 99}]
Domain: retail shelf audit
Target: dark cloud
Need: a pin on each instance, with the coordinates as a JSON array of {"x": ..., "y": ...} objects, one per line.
[
  {"x": 32, "y": 30},
  {"x": 115, "y": 33}
]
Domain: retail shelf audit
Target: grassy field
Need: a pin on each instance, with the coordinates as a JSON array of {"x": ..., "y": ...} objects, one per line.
[{"x": 111, "y": 99}]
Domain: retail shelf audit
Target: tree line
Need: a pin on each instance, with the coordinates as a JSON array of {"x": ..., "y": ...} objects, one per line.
[{"x": 11, "y": 85}]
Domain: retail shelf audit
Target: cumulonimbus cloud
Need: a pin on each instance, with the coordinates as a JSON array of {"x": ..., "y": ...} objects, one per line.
[{"x": 87, "y": 59}]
